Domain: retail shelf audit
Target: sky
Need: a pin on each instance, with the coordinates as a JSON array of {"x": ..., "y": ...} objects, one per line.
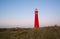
[{"x": 20, "y": 13}]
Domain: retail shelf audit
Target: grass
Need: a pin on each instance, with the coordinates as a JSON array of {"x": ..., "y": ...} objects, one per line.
[{"x": 52, "y": 32}]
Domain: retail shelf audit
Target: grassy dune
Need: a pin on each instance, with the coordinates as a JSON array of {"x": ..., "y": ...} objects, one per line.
[{"x": 30, "y": 33}]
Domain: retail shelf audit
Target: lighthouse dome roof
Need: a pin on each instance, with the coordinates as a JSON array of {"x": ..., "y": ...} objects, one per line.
[{"x": 36, "y": 9}]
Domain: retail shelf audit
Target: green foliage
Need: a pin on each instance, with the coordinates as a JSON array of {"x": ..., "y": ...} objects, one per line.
[{"x": 52, "y": 32}]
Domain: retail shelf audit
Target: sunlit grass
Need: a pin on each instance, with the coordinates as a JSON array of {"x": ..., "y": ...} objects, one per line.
[{"x": 52, "y": 32}]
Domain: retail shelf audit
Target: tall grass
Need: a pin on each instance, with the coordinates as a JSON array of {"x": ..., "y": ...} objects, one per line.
[{"x": 52, "y": 32}]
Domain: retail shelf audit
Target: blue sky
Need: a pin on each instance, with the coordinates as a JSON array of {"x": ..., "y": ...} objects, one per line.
[{"x": 21, "y": 12}]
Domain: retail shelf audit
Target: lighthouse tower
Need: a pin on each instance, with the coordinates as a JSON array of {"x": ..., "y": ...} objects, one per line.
[{"x": 36, "y": 20}]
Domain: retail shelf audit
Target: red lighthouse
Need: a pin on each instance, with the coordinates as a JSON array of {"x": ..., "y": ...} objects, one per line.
[{"x": 36, "y": 21}]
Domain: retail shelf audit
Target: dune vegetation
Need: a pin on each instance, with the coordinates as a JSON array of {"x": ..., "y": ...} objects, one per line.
[{"x": 52, "y": 32}]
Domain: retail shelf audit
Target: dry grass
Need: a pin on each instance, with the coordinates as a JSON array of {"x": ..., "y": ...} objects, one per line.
[{"x": 30, "y": 33}]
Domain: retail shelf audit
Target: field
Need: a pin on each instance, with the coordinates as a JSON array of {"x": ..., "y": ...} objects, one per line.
[{"x": 52, "y": 32}]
